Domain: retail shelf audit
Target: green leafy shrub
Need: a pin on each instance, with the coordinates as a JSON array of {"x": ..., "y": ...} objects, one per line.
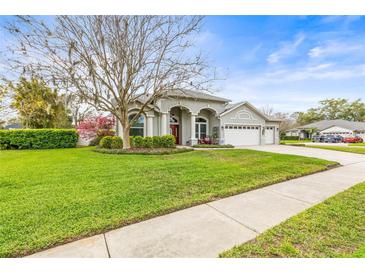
[
  {"x": 138, "y": 141},
  {"x": 156, "y": 141},
  {"x": 106, "y": 142},
  {"x": 117, "y": 142},
  {"x": 148, "y": 142},
  {"x": 38, "y": 138},
  {"x": 168, "y": 141}
]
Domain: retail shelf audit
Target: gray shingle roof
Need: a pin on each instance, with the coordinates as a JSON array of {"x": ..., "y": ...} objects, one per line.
[
  {"x": 321, "y": 125},
  {"x": 195, "y": 94}
]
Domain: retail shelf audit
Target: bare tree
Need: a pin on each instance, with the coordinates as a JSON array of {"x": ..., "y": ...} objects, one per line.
[
  {"x": 267, "y": 110},
  {"x": 77, "y": 107},
  {"x": 112, "y": 61}
]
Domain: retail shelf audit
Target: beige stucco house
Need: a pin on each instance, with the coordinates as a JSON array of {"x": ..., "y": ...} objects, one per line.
[{"x": 193, "y": 117}]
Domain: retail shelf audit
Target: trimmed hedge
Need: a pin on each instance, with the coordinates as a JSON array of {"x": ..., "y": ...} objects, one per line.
[
  {"x": 166, "y": 141},
  {"x": 111, "y": 142},
  {"x": 38, "y": 138}
]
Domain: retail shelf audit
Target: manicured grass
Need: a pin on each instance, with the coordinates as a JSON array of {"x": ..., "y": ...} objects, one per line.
[
  {"x": 49, "y": 197},
  {"x": 284, "y": 142},
  {"x": 334, "y": 228},
  {"x": 357, "y": 144},
  {"x": 358, "y": 150}
]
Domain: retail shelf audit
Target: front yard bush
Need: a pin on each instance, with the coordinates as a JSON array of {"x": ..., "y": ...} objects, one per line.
[
  {"x": 117, "y": 143},
  {"x": 137, "y": 141},
  {"x": 38, "y": 138},
  {"x": 106, "y": 142},
  {"x": 166, "y": 141},
  {"x": 148, "y": 142}
]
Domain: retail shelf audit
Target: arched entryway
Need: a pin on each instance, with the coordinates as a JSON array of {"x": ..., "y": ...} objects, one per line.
[
  {"x": 207, "y": 126},
  {"x": 178, "y": 127}
]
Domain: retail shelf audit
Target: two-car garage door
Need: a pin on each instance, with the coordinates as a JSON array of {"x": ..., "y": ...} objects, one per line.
[{"x": 242, "y": 135}]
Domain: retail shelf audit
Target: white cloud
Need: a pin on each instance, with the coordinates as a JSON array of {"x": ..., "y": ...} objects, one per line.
[
  {"x": 330, "y": 48},
  {"x": 286, "y": 49}
]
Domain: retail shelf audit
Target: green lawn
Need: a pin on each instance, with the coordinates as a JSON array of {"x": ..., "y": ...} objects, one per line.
[
  {"x": 48, "y": 197},
  {"x": 358, "y": 150},
  {"x": 334, "y": 228},
  {"x": 357, "y": 144}
]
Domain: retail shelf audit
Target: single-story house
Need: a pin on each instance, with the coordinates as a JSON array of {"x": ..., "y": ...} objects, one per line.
[
  {"x": 195, "y": 116},
  {"x": 329, "y": 127}
]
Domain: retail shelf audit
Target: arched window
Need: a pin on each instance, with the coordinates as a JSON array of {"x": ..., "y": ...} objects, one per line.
[
  {"x": 137, "y": 128},
  {"x": 201, "y": 128}
]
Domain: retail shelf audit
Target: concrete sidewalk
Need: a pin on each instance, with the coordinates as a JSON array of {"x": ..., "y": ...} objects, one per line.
[{"x": 208, "y": 229}]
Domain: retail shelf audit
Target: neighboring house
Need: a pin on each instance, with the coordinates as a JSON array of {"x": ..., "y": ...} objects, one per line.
[
  {"x": 195, "y": 116},
  {"x": 330, "y": 127}
]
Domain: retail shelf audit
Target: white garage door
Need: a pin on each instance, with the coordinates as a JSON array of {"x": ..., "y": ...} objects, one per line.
[
  {"x": 269, "y": 135},
  {"x": 242, "y": 135}
]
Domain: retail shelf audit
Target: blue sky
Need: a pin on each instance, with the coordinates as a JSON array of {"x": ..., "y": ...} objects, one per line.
[{"x": 287, "y": 62}]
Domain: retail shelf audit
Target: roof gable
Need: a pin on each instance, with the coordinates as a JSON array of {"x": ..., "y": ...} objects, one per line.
[{"x": 247, "y": 104}]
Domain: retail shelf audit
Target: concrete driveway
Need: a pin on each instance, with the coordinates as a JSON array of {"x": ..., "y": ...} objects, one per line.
[
  {"x": 208, "y": 229},
  {"x": 344, "y": 158}
]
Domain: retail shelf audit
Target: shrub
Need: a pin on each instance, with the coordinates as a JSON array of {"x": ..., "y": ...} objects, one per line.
[
  {"x": 117, "y": 143},
  {"x": 38, "y": 138},
  {"x": 137, "y": 141},
  {"x": 168, "y": 141},
  {"x": 148, "y": 142},
  {"x": 106, "y": 142},
  {"x": 156, "y": 141}
]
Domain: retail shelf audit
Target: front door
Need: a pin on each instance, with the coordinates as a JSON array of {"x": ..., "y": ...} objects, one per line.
[{"x": 175, "y": 131}]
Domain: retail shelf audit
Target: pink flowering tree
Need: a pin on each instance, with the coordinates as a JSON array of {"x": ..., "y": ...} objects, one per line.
[{"x": 96, "y": 126}]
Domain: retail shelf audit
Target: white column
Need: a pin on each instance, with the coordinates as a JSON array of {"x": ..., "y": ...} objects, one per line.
[
  {"x": 149, "y": 125},
  {"x": 193, "y": 140},
  {"x": 163, "y": 124}
]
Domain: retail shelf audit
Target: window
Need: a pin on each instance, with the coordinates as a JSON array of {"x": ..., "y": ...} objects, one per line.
[
  {"x": 137, "y": 128},
  {"x": 173, "y": 119},
  {"x": 201, "y": 128}
]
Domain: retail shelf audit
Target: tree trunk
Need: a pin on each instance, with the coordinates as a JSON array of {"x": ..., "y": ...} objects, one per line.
[{"x": 126, "y": 143}]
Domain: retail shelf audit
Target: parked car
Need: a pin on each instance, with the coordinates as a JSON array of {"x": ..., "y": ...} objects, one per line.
[
  {"x": 330, "y": 139},
  {"x": 317, "y": 138},
  {"x": 355, "y": 139}
]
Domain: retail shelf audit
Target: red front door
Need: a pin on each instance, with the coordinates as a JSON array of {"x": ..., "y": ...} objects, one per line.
[{"x": 175, "y": 131}]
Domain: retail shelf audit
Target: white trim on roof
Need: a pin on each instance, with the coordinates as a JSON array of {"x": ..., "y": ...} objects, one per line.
[{"x": 253, "y": 108}]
